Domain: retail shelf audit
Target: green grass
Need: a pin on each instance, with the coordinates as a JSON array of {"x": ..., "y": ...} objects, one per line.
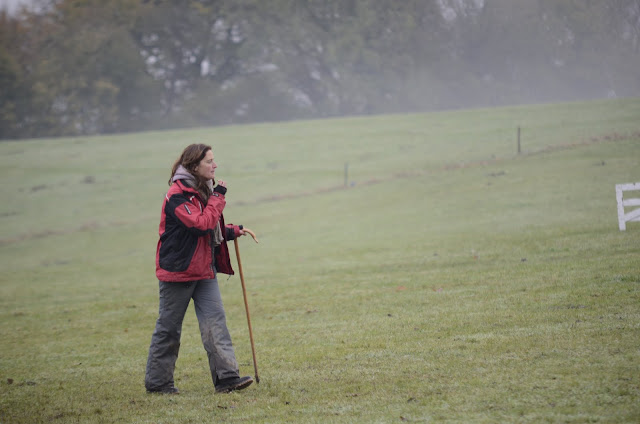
[{"x": 453, "y": 281}]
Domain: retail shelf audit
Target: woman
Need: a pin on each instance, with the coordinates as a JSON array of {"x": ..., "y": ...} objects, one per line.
[{"x": 191, "y": 250}]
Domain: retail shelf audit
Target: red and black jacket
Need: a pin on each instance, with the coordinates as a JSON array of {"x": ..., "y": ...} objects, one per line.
[{"x": 184, "y": 251}]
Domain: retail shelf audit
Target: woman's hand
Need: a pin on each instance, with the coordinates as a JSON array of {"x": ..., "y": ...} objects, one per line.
[
  {"x": 221, "y": 188},
  {"x": 235, "y": 231}
]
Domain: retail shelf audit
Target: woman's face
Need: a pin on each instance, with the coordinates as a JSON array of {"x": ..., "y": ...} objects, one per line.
[{"x": 207, "y": 167}]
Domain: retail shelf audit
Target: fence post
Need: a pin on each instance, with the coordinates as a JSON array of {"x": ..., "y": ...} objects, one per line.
[
  {"x": 621, "y": 222},
  {"x": 346, "y": 174},
  {"x": 633, "y": 215}
]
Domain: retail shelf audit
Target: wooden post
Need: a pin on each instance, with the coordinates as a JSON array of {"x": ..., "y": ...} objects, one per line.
[{"x": 346, "y": 174}]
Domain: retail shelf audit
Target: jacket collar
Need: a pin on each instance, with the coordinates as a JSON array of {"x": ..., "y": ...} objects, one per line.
[{"x": 185, "y": 188}]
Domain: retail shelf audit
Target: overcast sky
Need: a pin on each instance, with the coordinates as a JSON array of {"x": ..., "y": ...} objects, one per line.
[{"x": 12, "y": 5}]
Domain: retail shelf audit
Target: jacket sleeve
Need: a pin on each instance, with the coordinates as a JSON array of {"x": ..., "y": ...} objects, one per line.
[
  {"x": 189, "y": 215},
  {"x": 233, "y": 231}
]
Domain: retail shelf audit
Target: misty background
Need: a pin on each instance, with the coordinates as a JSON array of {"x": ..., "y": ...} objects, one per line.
[{"x": 73, "y": 67}]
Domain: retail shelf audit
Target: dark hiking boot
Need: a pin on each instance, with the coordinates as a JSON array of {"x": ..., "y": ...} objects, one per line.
[
  {"x": 171, "y": 390},
  {"x": 227, "y": 385}
]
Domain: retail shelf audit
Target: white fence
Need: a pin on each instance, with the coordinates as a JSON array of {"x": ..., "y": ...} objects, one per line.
[{"x": 633, "y": 215}]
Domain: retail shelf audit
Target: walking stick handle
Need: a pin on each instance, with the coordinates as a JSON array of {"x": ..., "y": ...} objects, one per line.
[
  {"x": 251, "y": 233},
  {"x": 246, "y": 307}
]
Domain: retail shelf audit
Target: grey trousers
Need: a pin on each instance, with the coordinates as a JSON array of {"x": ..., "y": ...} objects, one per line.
[{"x": 165, "y": 342}]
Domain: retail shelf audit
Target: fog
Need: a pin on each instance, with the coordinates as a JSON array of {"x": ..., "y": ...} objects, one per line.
[
  {"x": 12, "y": 6},
  {"x": 102, "y": 69}
]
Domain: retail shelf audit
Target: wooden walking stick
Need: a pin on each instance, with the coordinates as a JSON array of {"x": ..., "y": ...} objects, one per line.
[{"x": 246, "y": 305}]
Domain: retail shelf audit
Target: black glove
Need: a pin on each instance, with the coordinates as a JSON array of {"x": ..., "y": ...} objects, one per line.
[{"x": 220, "y": 189}]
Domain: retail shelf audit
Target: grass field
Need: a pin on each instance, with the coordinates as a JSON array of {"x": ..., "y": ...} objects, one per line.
[{"x": 452, "y": 280}]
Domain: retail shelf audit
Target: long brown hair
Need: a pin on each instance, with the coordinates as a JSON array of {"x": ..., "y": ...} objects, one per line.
[{"x": 190, "y": 159}]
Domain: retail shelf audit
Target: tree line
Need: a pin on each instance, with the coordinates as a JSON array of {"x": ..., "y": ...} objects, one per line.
[{"x": 71, "y": 67}]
